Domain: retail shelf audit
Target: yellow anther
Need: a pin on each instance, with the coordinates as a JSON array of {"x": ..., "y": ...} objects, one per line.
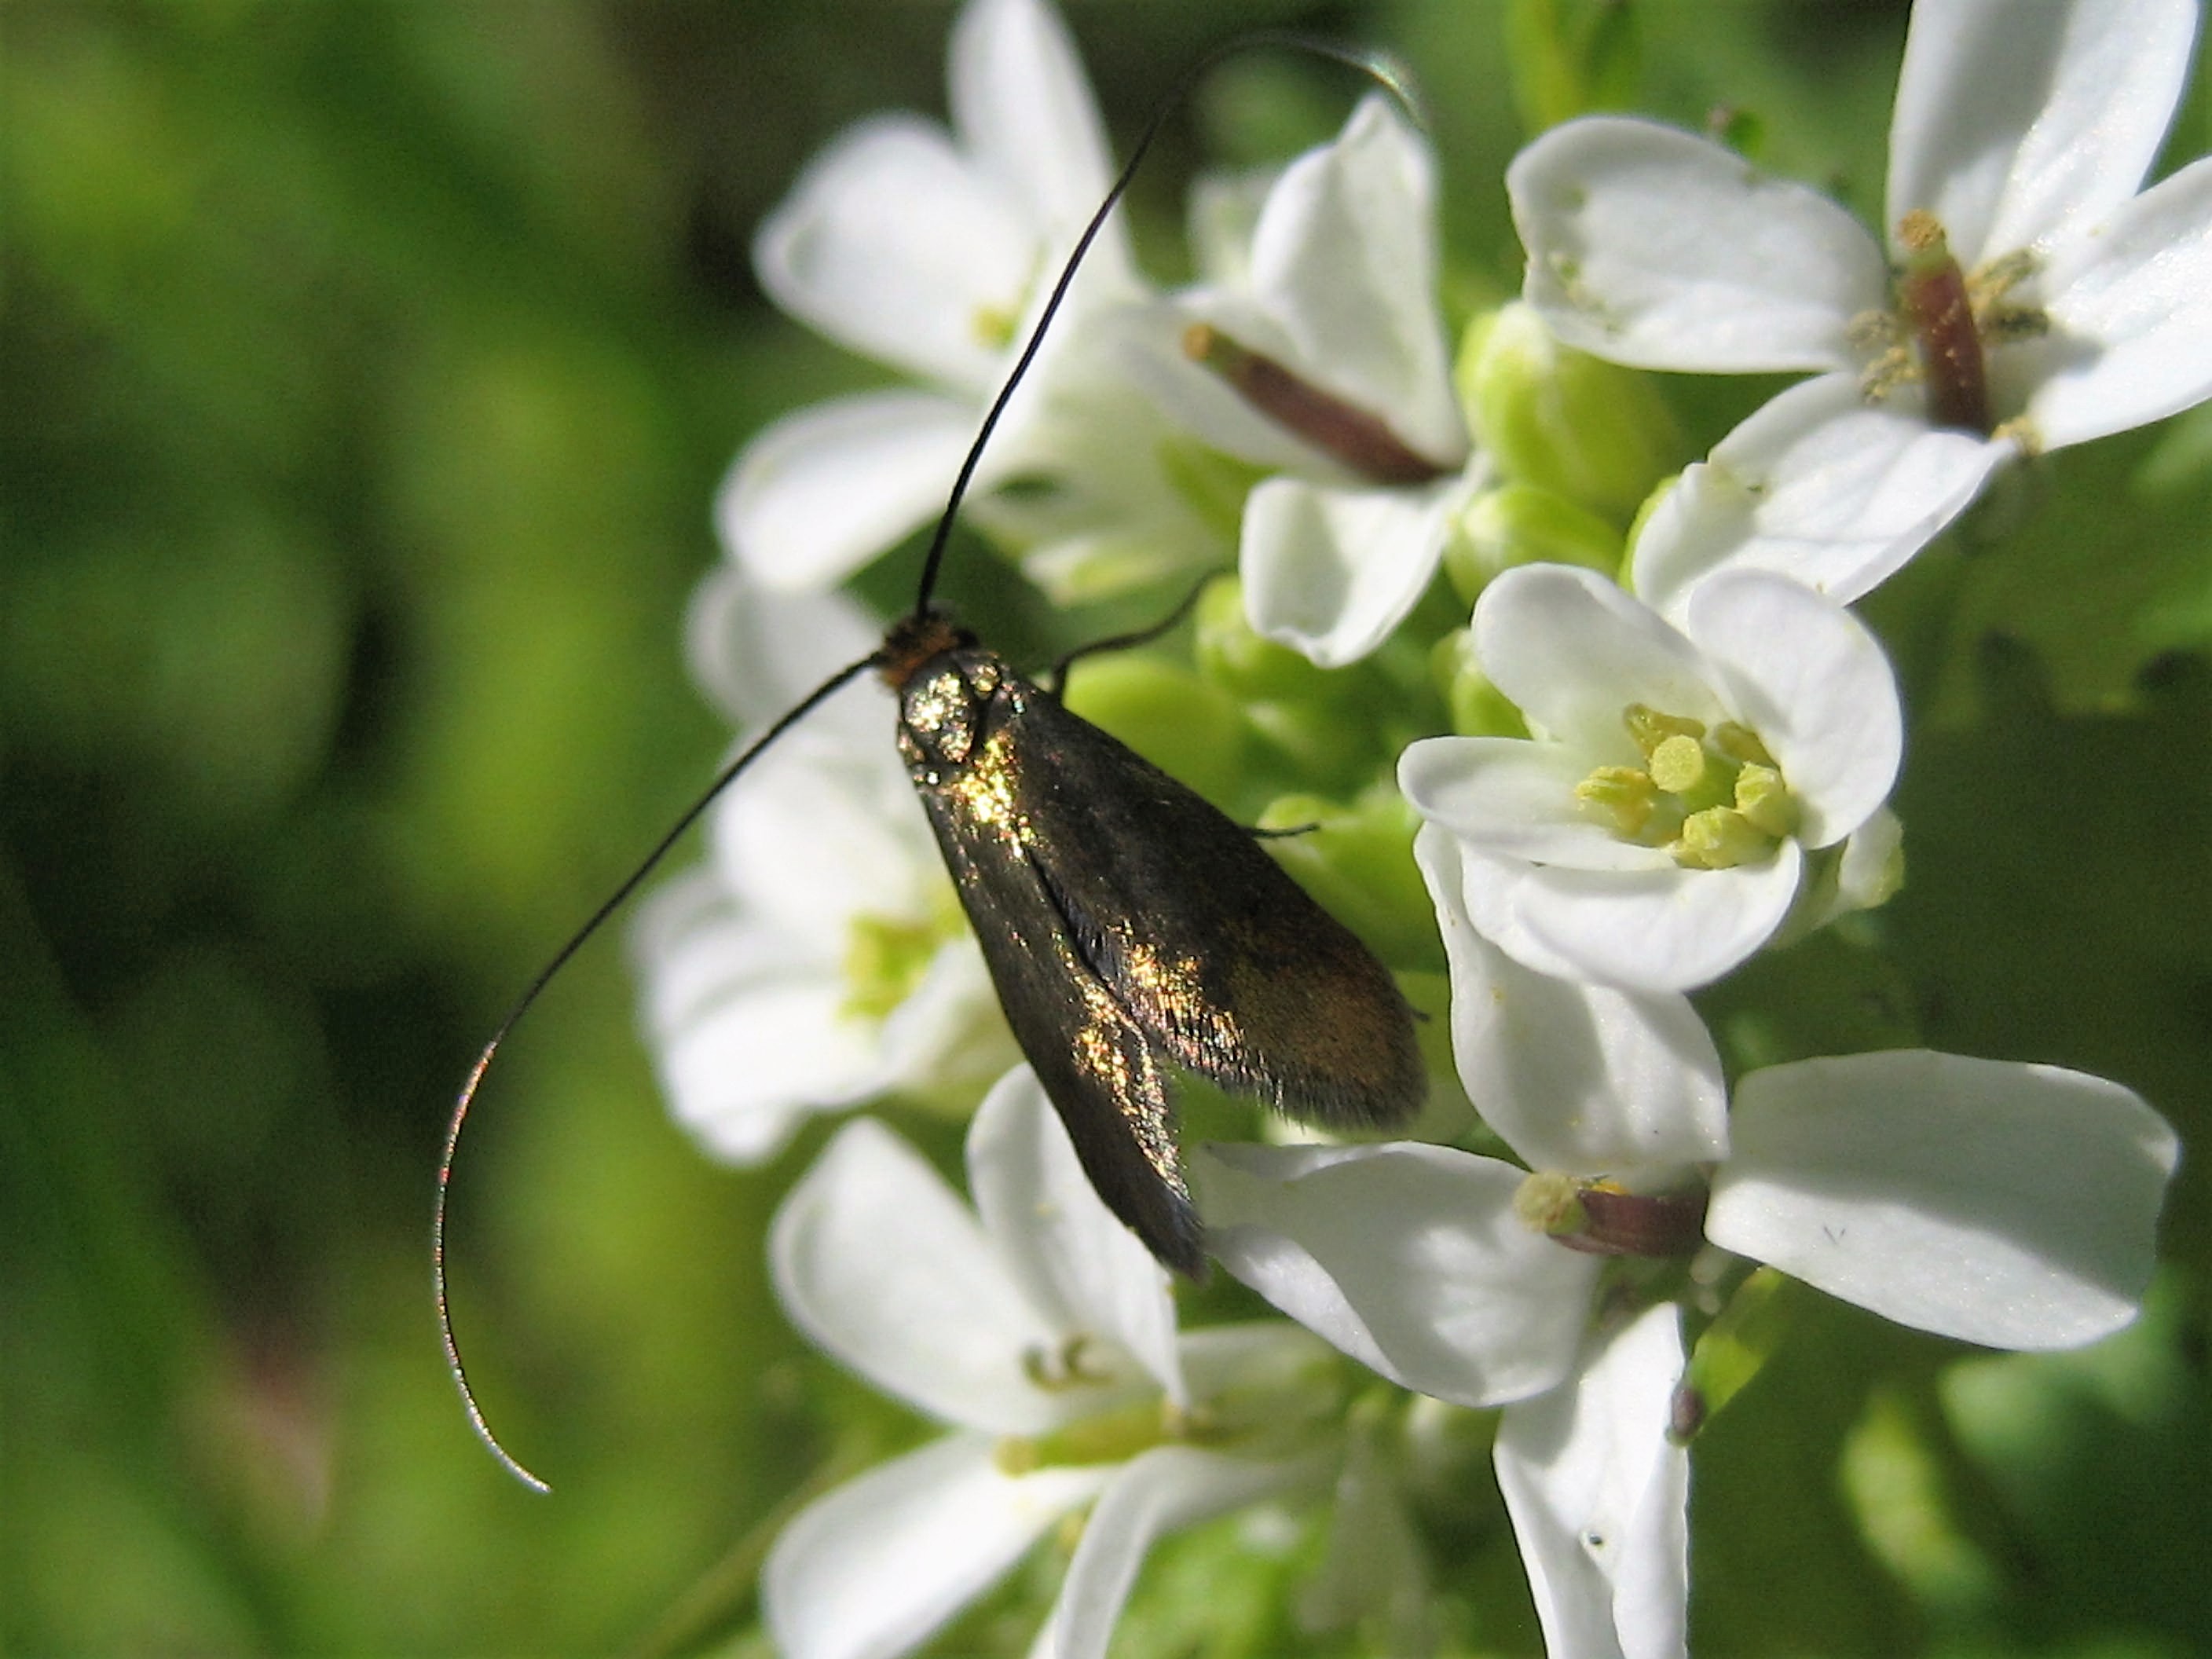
[
  {"x": 1920, "y": 233},
  {"x": 1650, "y": 728},
  {"x": 1719, "y": 838},
  {"x": 1678, "y": 764},
  {"x": 1621, "y": 797},
  {"x": 1993, "y": 280},
  {"x": 993, "y": 326},
  {"x": 1550, "y": 1203},
  {"x": 1740, "y": 743},
  {"x": 1765, "y": 801}
]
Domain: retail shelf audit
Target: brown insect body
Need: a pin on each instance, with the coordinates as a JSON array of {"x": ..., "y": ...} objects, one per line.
[{"x": 1128, "y": 925}]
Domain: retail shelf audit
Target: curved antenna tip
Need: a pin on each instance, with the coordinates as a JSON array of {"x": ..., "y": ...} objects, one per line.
[
  {"x": 505, "y": 1458},
  {"x": 454, "y": 1368},
  {"x": 1396, "y": 76}
]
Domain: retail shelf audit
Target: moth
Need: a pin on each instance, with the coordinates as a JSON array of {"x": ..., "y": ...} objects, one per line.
[{"x": 1128, "y": 926}]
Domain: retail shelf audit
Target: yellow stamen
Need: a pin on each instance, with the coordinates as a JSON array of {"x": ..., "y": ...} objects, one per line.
[
  {"x": 1622, "y": 797},
  {"x": 1719, "y": 838},
  {"x": 1678, "y": 764}
]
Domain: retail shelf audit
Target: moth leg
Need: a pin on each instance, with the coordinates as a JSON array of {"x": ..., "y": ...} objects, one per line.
[{"x": 1055, "y": 679}]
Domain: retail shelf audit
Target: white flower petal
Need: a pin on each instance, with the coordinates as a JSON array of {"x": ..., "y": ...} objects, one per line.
[
  {"x": 2012, "y": 1206},
  {"x": 882, "y": 1266},
  {"x": 1512, "y": 797},
  {"x": 826, "y": 830},
  {"x": 872, "y": 1569},
  {"x": 1600, "y": 1500},
  {"x": 1078, "y": 1263},
  {"x": 1344, "y": 259},
  {"x": 1149, "y": 340},
  {"x": 1813, "y": 682},
  {"x": 1024, "y": 111},
  {"x": 1658, "y": 930},
  {"x": 1221, "y": 215},
  {"x": 1330, "y": 572},
  {"x": 2130, "y": 308},
  {"x": 1407, "y": 1257},
  {"x": 1575, "y": 1078},
  {"x": 1572, "y": 651},
  {"x": 821, "y": 492},
  {"x": 1490, "y": 883},
  {"x": 1818, "y": 485},
  {"x": 2017, "y": 124},
  {"x": 1650, "y": 246},
  {"x": 747, "y": 1042},
  {"x": 893, "y": 245},
  {"x": 756, "y": 652},
  {"x": 1159, "y": 1491},
  {"x": 950, "y": 1031}
]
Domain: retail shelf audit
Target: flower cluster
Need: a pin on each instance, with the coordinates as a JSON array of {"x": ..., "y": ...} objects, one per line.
[{"x": 1658, "y": 748}]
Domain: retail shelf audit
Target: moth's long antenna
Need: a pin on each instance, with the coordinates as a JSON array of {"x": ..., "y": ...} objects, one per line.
[
  {"x": 1379, "y": 67},
  {"x": 614, "y": 902}
]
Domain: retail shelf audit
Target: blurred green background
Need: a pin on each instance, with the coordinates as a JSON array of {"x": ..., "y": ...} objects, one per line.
[{"x": 366, "y": 373}]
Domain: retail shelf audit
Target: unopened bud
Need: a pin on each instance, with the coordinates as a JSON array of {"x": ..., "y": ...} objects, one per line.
[{"x": 1593, "y": 432}]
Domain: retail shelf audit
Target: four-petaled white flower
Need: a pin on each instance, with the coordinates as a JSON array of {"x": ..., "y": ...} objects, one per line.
[
  {"x": 934, "y": 253},
  {"x": 1319, "y": 354},
  {"x": 818, "y": 959},
  {"x": 1041, "y": 1332},
  {"x": 2041, "y": 301},
  {"x": 2009, "y": 1205},
  {"x": 1652, "y": 832}
]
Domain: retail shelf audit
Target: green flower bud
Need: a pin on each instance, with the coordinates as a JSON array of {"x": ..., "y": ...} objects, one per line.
[
  {"x": 1324, "y": 744},
  {"x": 1189, "y": 727},
  {"x": 1245, "y": 664},
  {"x": 1592, "y": 431},
  {"x": 1735, "y": 1348},
  {"x": 1567, "y": 60},
  {"x": 1520, "y": 524},
  {"x": 1358, "y": 861},
  {"x": 1478, "y": 708}
]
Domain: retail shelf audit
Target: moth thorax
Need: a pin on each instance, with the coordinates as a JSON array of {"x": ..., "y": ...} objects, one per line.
[{"x": 942, "y": 710}]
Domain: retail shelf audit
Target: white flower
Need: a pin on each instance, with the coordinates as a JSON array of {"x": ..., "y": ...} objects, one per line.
[
  {"x": 1043, "y": 1333},
  {"x": 1652, "y": 832},
  {"x": 2021, "y": 138},
  {"x": 933, "y": 252},
  {"x": 2010, "y": 1205},
  {"x": 819, "y": 958},
  {"x": 1328, "y": 365}
]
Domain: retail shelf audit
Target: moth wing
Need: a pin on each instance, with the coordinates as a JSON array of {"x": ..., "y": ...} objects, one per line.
[
  {"x": 1095, "y": 1062},
  {"x": 1210, "y": 947}
]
